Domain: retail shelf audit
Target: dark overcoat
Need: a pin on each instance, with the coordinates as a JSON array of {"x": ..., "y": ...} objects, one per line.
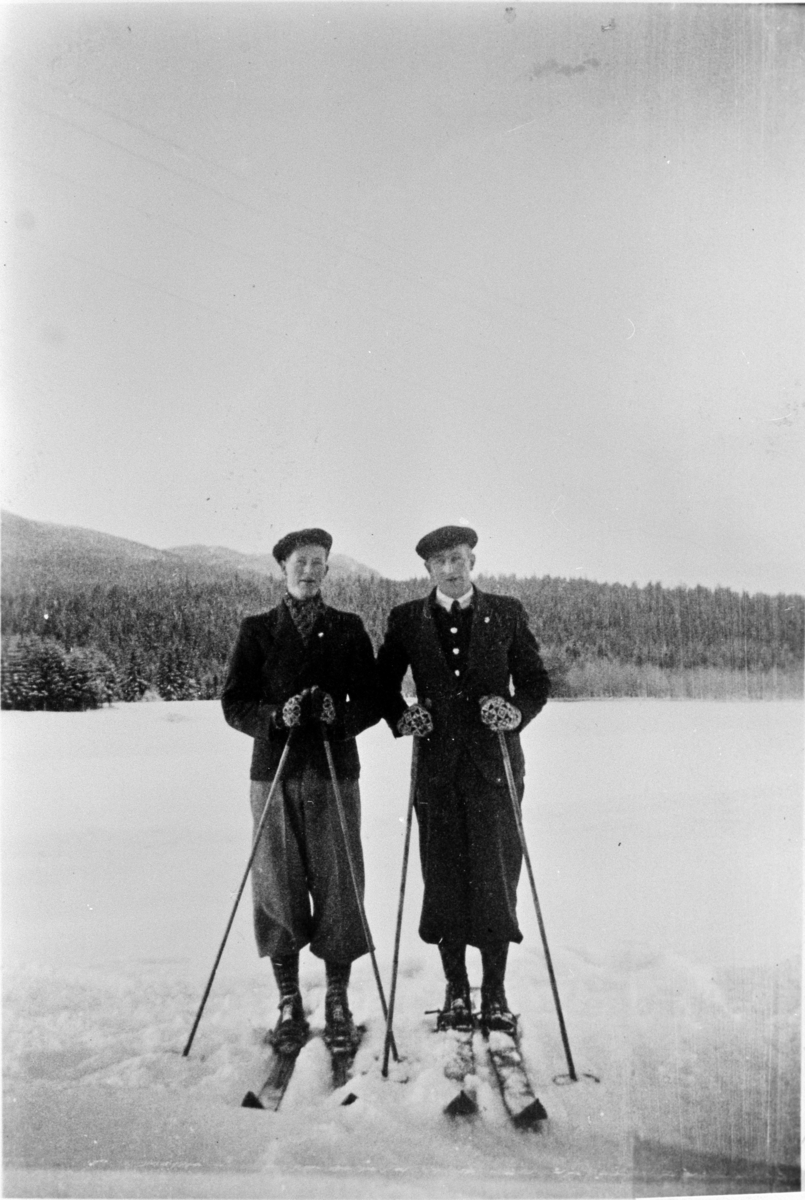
[
  {"x": 469, "y": 843},
  {"x": 270, "y": 663}
]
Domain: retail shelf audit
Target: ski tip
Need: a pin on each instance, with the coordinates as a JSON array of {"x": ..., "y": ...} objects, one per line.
[
  {"x": 341, "y": 1064},
  {"x": 250, "y": 1101},
  {"x": 461, "y": 1105},
  {"x": 531, "y": 1117}
]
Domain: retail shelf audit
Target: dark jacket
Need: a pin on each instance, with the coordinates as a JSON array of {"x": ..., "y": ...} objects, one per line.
[
  {"x": 502, "y": 648},
  {"x": 270, "y": 663},
  {"x": 469, "y": 842}
]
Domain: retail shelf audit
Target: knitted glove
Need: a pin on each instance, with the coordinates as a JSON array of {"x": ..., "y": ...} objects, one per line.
[
  {"x": 322, "y": 707},
  {"x": 415, "y": 720},
  {"x": 499, "y": 714}
]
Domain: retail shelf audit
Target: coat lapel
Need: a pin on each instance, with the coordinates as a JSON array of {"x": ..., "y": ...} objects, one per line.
[
  {"x": 480, "y": 633},
  {"x": 432, "y": 646},
  {"x": 321, "y": 637},
  {"x": 291, "y": 647}
]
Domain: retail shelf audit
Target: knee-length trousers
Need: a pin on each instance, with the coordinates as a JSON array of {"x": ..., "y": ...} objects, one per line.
[{"x": 302, "y": 886}]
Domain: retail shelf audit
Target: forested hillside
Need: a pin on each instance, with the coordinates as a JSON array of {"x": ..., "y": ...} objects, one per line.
[{"x": 173, "y": 637}]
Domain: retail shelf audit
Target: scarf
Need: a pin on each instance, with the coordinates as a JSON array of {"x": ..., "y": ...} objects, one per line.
[{"x": 304, "y": 613}]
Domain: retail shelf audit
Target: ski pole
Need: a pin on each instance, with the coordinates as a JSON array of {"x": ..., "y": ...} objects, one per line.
[
  {"x": 343, "y": 822},
  {"x": 507, "y": 765},
  {"x": 258, "y": 832},
  {"x": 393, "y": 992}
]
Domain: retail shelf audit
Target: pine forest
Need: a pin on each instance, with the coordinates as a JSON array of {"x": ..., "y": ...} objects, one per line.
[{"x": 71, "y": 646}]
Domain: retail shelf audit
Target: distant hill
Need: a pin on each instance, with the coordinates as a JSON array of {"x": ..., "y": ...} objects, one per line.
[
  {"x": 37, "y": 554},
  {"x": 263, "y": 564}
]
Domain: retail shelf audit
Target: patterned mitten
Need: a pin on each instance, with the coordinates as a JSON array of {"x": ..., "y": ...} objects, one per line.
[
  {"x": 322, "y": 707},
  {"x": 292, "y": 711},
  {"x": 499, "y": 714},
  {"x": 415, "y": 720}
]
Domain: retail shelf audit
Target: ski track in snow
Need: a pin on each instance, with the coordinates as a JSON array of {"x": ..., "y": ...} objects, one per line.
[{"x": 666, "y": 841}]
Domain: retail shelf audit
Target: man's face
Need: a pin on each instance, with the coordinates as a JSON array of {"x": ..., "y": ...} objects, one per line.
[
  {"x": 304, "y": 570},
  {"x": 450, "y": 570}
]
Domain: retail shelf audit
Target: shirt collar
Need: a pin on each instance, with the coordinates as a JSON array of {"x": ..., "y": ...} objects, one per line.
[{"x": 446, "y": 602}]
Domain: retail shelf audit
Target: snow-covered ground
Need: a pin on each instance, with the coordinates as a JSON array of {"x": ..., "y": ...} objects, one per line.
[{"x": 666, "y": 840}]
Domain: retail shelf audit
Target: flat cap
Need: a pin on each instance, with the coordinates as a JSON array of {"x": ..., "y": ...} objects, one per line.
[
  {"x": 445, "y": 538},
  {"x": 302, "y": 537}
]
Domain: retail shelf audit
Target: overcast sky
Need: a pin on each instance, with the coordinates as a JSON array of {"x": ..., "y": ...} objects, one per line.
[{"x": 383, "y": 267}]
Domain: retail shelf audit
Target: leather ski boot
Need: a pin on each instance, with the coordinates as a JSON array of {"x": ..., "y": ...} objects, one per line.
[
  {"x": 495, "y": 1012},
  {"x": 456, "y": 1012},
  {"x": 340, "y": 1034},
  {"x": 291, "y": 1029}
]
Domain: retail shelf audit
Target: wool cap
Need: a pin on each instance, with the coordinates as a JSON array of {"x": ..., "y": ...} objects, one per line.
[
  {"x": 302, "y": 537},
  {"x": 445, "y": 538}
]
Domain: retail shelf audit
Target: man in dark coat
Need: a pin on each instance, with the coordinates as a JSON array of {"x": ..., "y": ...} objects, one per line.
[
  {"x": 299, "y": 667},
  {"x": 477, "y": 670}
]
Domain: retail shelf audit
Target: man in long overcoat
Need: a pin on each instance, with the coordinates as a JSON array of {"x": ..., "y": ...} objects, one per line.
[
  {"x": 476, "y": 669},
  {"x": 296, "y": 668}
]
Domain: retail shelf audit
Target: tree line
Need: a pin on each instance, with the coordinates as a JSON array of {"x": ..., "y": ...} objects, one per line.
[{"x": 172, "y": 638}]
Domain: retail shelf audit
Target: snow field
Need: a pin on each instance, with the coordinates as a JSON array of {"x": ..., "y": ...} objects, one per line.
[{"x": 666, "y": 843}]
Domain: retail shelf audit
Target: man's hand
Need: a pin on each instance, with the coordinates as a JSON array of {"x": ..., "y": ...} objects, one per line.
[
  {"x": 321, "y": 705},
  {"x": 415, "y": 720},
  {"x": 293, "y": 712},
  {"x": 313, "y": 704},
  {"x": 499, "y": 714}
]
